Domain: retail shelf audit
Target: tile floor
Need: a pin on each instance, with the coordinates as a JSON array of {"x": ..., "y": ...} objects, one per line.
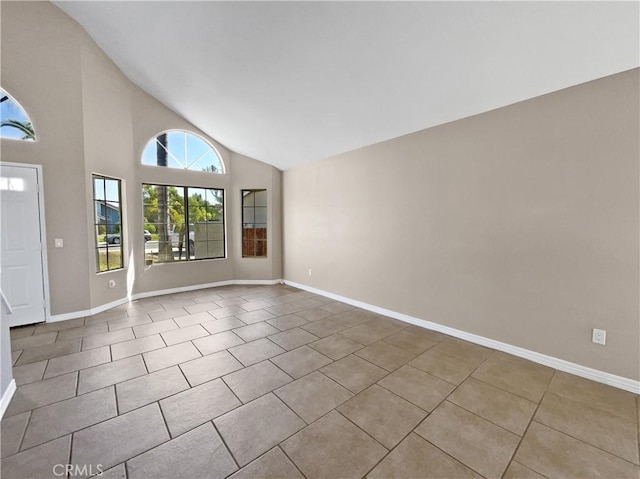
[{"x": 270, "y": 381}]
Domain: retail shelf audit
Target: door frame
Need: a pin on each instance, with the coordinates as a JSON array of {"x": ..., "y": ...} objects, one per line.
[{"x": 43, "y": 234}]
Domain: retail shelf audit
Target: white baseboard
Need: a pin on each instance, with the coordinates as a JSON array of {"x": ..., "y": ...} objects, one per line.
[
  {"x": 148, "y": 294},
  {"x": 556, "y": 363},
  {"x": 6, "y": 397}
]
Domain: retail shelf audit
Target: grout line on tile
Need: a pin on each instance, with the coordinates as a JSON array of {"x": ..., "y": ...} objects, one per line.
[
  {"x": 24, "y": 433},
  {"x": 585, "y": 442},
  {"x": 215, "y": 428},
  {"x": 288, "y": 457},
  {"x": 526, "y": 429}
]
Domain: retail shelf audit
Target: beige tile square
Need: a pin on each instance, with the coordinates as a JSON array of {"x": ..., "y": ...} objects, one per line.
[
  {"x": 354, "y": 373},
  {"x": 110, "y": 373},
  {"x": 128, "y": 322},
  {"x": 209, "y": 367},
  {"x": 254, "y": 305},
  {"x": 253, "y": 429},
  {"x": 417, "y": 387},
  {"x": 197, "y": 405},
  {"x": 336, "y": 307},
  {"x": 300, "y": 361},
  {"x": 416, "y": 458},
  {"x": 383, "y": 415},
  {"x": 313, "y": 396},
  {"x": 220, "y": 325},
  {"x": 500, "y": 407},
  {"x": 355, "y": 316},
  {"x": 336, "y": 346},
  {"x": 314, "y": 314},
  {"x": 64, "y": 417},
  {"x": 370, "y": 332},
  {"x": 116, "y": 313},
  {"x": 48, "y": 351},
  {"x": 177, "y": 302},
  {"x": 13, "y": 428},
  {"x": 613, "y": 400},
  {"x": 287, "y": 322},
  {"x": 253, "y": 316},
  {"x": 17, "y": 332},
  {"x": 197, "y": 454},
  {"x": 292, "y": 307},
  {"x": 226, "y": 302},
  {"x": 57, "y": 325},
  {"x": 430, "y": 333},
  {"x": 41, "y": 393},
  {"x": 227, "y": 311},
  {"x": 155, "y": 327},
  {"x": 136, "y": 346},
  {"x": 256, "y": 351},
  {"x": 293, "y": 338},
  {"x": 333, "y": 447},
  {"x": 147, "y": 389},
  {"x": 105, "y": 339},
  {"x": 217, "y": 342},
  {"x": 554, "y": 454},
  {"x": 170, "y": 356},
  {"x": 33, "y": 341},
  {"x": 471, "y": 353},
  {"x": 519, "y": 376},
  {"x": 599, "y": 428},
  {"x": 323, "y": 327},
  {"x": 518, "y": 471},
  {"x": 184, "y": 334},
  {"x": 385, "y": 355},
  {"x": 443, "y": 366},
  {"x": 114, "y": 441},
  {"x": 257, "y": 380},
  {"x": 477, "y": 443},
  {"x": 272, "y": 465},
  {"x": 29, "y": 373},
  {"x": 255, "y": 331},
  {"x": 201, "y": 307},
  {"x": 413, "y": 340},
  {"x": 37, "y": 462},
  {"x": 82, "y": 331},
  {"x": 193, "y": 319},
  {"x": 168, "y": 314},
  {"x": 75, "y": 361}
]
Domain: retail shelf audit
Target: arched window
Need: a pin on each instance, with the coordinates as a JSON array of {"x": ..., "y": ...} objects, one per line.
[
  {"x": 15, "y": 122},
  {"x": 183, "y": 150}
]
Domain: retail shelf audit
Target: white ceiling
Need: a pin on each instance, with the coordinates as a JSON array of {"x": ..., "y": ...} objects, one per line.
[{"x": 292, "y": 82}]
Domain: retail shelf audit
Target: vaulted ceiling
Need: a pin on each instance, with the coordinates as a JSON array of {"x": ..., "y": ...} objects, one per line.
[{"x": 291, "y": 82}]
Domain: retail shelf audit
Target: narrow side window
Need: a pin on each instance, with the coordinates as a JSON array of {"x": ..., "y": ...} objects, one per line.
[
  {"x": 254, "y": 223},
  {"x": 107, "y": 207}
]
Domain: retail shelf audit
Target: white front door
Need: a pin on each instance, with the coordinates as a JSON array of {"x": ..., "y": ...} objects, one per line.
[{"x": 21, "y": 260}]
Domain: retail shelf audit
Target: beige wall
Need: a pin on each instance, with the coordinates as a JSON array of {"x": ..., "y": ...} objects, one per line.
[
  {"x": 520, "y": 225},
  {"x": 90, "y": 119}
]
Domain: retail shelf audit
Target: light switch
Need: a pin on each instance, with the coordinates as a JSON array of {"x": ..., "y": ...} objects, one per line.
[{"x": 59, "y": 243}]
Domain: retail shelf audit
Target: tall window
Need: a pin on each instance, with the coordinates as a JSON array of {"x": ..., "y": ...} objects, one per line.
[
  {"x": 183, "y": 150},
  {"x": 185, "y": 223},
  {"x": 107, "y": 223},
  {"x": 14, "y": 121},
  {"x": 254, "y": 223}
]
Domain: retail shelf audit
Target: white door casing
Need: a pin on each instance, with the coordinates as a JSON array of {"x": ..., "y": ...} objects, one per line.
[{"x": 22, "y": 267}]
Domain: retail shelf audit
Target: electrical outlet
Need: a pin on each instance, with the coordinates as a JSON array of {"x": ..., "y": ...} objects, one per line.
[
  {"x": 59, "y": 243},
  {"x": 309, "y": 271},
  {"x": 112, "y": 283},
  {"x": 599, "y": 336}
]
